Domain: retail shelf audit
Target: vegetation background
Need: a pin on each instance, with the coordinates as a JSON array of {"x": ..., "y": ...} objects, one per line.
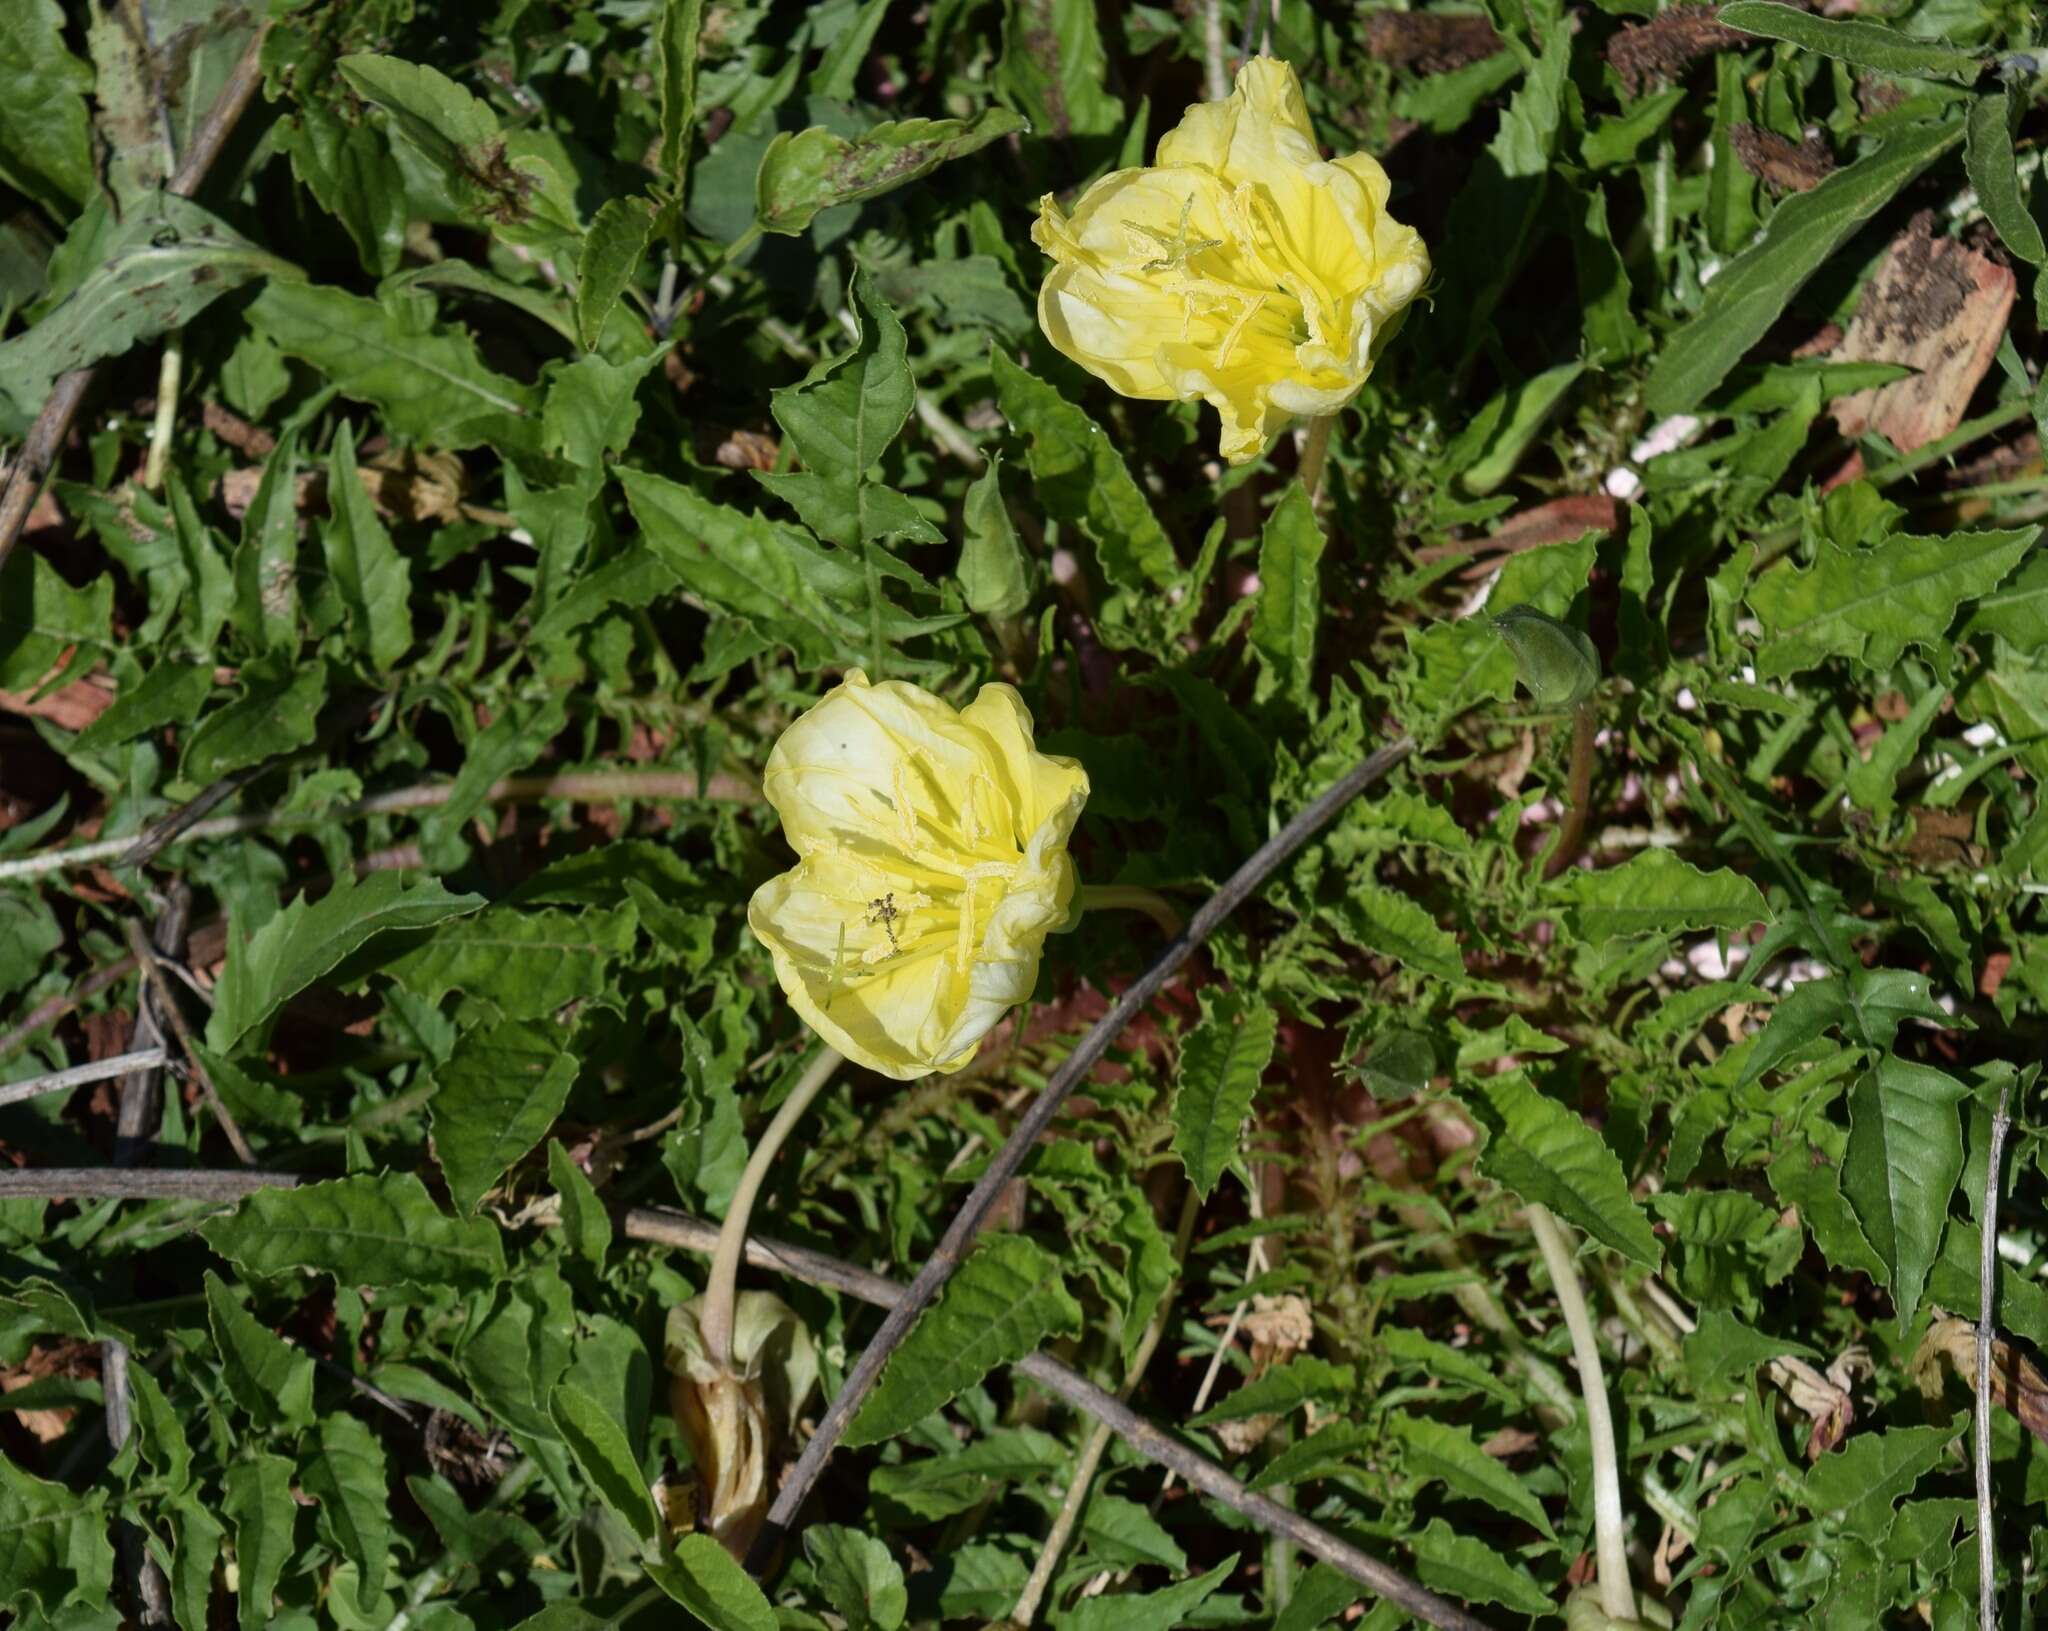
[{"x": 448, "y": 531}]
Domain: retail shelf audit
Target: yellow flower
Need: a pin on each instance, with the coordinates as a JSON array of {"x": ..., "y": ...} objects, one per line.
[
  {"x": 932, "y": 863},
  {"x": 1239, "y": 268}
]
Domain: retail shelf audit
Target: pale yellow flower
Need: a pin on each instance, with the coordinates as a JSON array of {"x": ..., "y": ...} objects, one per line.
[
  {"x": 1240, "y": 267},
  {"x": 932, "y": 863}
]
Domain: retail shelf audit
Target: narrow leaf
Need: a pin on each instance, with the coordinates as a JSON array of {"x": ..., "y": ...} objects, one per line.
[
  {"x": 613, "y": 249},
  {"x": 494, "y": 1099},
  {"x": 1221, "y": 1062},
  {"x": 365, "y": 1231},
  {"x": 1995, "y": 173},
  {"x": 1283, "y": 632},
  {"x": 270, "y": 1378},
  {"x": 1854, "y": 40},
  {"x": 806, "y": 171},
  {"x": 599, "y": 1445},
  {"x": 347, "y": 1476},
  {"x": 1433, "y": 1450},
  {"x": 1540, "y": 1150},
  {"x": 1655, "y": 893},
  {"x": 1904, "y": 1156},
  {"x": 374, "y": 580},
  {"x": 258, "y": 1504}
]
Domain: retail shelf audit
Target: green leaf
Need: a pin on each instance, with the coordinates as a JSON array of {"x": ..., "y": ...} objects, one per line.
[
  {"x": 349, "y": 168},
  {"x": 526, "y": 964},
  {"x": 193, "y": 1563},
  {"x": 1471, "y": 1571},
  {"x": 1003, "y": 1303},
  {"x": 1284, "y": 1388},
  {"x": 1053, "y": 69},
  {"x": 268, "y": 1376},
  {"x": 347, "y": 1476},
  {"x": 613, "y": 250},
  {"x": 1544, "y": 1153},
  {"x": 156, "y": 270},
  {"x": 806, "y": 171},
  {"x": 1165, "y": 1610},
  {"x": 277, "y": 713},
  {"x": 1123, "y": 1534},
  {"x": 1526, "y": 408},
  {"x": 1871, "y": 1471},
  {"x": 494, "y": 1099},
  {"x": 1994, "y": 171},
  {"x": 424, "y": 377},
  {"x": 838, "y": 71},
  {"x": 586, "y": 1225},
  {"x": 1221, "y": 1061},
  {"x": 1555, "y": 662},
  {"x": 308, "y": 939},
  {"x": 1386, "y": 922},
  {"x": 1870, "y": 604},
  {"x": 171, "y": 693},
  {"x": 53, "y": 1542},
  {"x": 365, "y": 1231},
  {"x": 1433, "y": 1451},
  {"x": 1290, "y": 605},
  {"x": 858, "y": 1577},
  {"x": 701, "y": 1575},
  {"x": 45, "y": 131},
  {"x": 1654, "y": 892},
  {"x": 374, "y": 580},
  {"x": 995, "y": 576},
  {"x": 1321, "y": 1596},
  {"x": 1904, "y": 1156},
  {"x": 601, "y": 1450},
  {"x": 257, "y": 1502},
  {"x": 41, "y": 615},
  {"x": 1753, "y": 290},
  {"x": 2017, "y": 614},
  {"x": 678, "y": 37},
  {"x": 511, "y": 742},
  {"x": 1855, "y": 40}
]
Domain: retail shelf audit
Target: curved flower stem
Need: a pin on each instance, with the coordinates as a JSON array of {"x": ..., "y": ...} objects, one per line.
[
  {"x": 720, "y": 1293},
  {"x": 1617, "y": 1596},
  {"x": 1103, "y": 897},
  {"x": 1315, "y": 453},
  {"x": 1571, "y": 831}
]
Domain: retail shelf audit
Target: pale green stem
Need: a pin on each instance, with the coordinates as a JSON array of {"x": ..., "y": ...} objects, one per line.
[
  {"x": 1315, "y": 453},
  {"x": 1032, "y": 1596},
  {"x": 166, "y": 410},
  {"x": 1610, "y": 1544},
  {"x": 1109, "y": 897},
  {"x": 720, "y": 1293}
]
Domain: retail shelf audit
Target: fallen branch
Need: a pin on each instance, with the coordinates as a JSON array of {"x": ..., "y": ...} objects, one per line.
[
  {"x": 140, "y": 1184},
  {"x": 966, "y": 1224},
  {"x": 100, "y": 1070},
  {"x": 662, "y": 1227}
]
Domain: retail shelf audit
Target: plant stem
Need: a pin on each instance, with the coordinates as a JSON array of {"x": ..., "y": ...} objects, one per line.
[
  {"x": 1108, "y": 897},
  {"x": 1571, "y": 831},
  {"x": 1315, "y": 453},
  {"x": 1617, "y": 1596},
  {"x": 166, "y": 410},
  {"x": 720, "y": 1294},
  {"x": 1987, "y": 1321}
]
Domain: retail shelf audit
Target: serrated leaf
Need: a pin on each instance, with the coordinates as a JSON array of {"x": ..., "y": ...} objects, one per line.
[
  {"x": 350, "y": 170},
  {"x": 193, "y": 1562},
  {"x": 45, "y": 130},
  {"x": 365, "y": 1231},
  {"x": 525, "y": 964},
  {"x": 1904, "y": 1156},
  {"x": 2017, "y": 613},
  {"x": 1871, "y": 1471},
  {"x": 805, "y": 171},
  {"x": 1451, "y": 1455},
  {"x": 1540, "y": 1150},
  {"x": 425, "y": 377},
  {"x": 586, "y": 1225},
  {"x": 53, "y": 1541},
  {"x": 1339, "y": 1447},
  {"x": 1083, "y": 482},
  {"x": 1283, "y": 631},
  {"x": 1164, "y": 1610},
  {"x": 1284, "y": 1388},
  {"x": 156, "y": 270},
  {"x": 494, "y": 1099},
  {"x": 601, "y": 1450},
  {"x": 858, "y": 1577},
  {"x": 258, "y": 1504},
  {"x": 1804, "y": 231},
  {"x": 1454, "y": 1366},
  {"x": 1124, "y": 1535},
  {"x": 171, "y": 693},
  {"x": 1471, "y": 1571},
  {"x": 346, "y": 1475},
  {"x": 269, "y": 1377},
  {"x": 309, "y": 938},
  {"x": 375, "y": 581},
  {"x": 1859, "y": 41},
  {"x": 1870, "y": 604},
  {"x": 1322, "y": 1595},
  {"x": 678, "y": 37},
  {"x": 1654, "y": 893},
  {"x": 1221, "y": 1062},
  {"x": 701, "y": 1575},
  {"x": 43, "y": 615},
  {"x": 1002, "y": 1303},
  {"x": 613, "y": 249},
  {"x": 1387, "y": 922}
]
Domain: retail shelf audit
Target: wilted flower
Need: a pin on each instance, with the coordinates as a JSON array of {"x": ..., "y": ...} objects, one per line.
[
  {"x": 932, "y": 863},
  {"x": 1240, "y": 268}
]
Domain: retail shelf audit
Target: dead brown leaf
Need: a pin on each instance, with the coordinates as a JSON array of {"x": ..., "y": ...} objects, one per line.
[
  {"x": 71, "y": 707},
  {"x": 1936, "y": 305},
  {"x": 748, "y": 450},
  {"x": 1663, "y": 47},
  {"x": 1428, "y": 41},
  {"x": 1782, "y": 165},
  {"x": 2017, "y": 1384}
]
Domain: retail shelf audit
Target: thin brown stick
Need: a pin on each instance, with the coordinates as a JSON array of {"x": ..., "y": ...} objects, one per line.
[
  {"x": 966, "y": 1224},
  {"x": 662, "y": 1227},
  {"x": 140, "y": 1184},
  {"x": 167, "y": 1006},
  {"x": 1987, "y": 1325},
  {"x": 45, "y": 439}
]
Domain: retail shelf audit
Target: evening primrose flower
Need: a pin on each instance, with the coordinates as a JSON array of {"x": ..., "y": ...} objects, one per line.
[
  {"x": 1240, "y": 268},
  {"x": 932, "y": 863}
]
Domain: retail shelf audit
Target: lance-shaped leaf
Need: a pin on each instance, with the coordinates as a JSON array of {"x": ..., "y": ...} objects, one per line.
[
  {"x": 805, "y": 171},
  {"x": 45, "y": 131},
  {"x": 1854, "y": 40},
  {"x": 1904, "y": 1156},
  {"x": 495, "y": 1098},
  {"x": 1655, "y": 893},
  {"x": 1540, "y": 1150},
  {"x": 1290, "y": 607},
  {"x": 383, "y": 1231},
  {"x": 1220, "y": 1065}
]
